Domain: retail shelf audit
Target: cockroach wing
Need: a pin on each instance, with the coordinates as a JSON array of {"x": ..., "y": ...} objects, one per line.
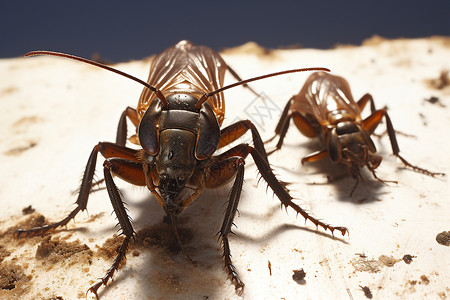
[
  {"x": 322, "y": 93},
  {"x": 187, "y": 68}
]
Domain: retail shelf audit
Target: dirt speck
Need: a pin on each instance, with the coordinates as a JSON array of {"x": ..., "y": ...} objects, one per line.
[
  {"x": 424, "y": 279},
  {"x": 53, "y": 250},
  {"x": 299, "y": 276},
  {"x": 28, "y": 210},
  {"x": 109, "y": 247},
  {"x": 95, "y": 217},
  {"x": 408, "y": 258},
  {"x": 13, "y": 281},
  {"x": 366, "y": 265},
  {"x": 3, "y": 253},
  {"x": 9, "y": 90},
  {"x": 435, "y": 100},
  {"x": 26, "y": 121},
  {"x": 441, "y": 82},
  {"x": 388, "y": 260},
  {"x": 367, "y": 291},
  {"x": 32, "y": 220},
  {"x": 8, "y": 238},
  {"x": 15, "y": 151},
  {"x": 443, "y": 238}
]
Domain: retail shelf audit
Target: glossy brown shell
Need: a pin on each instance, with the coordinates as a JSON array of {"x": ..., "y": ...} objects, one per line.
[
  {"x": 323, "y": 93},
  {"x": 186, "y": 68}
]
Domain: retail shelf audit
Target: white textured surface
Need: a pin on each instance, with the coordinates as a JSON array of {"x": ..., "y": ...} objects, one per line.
[{"x": 65, "y": 108}]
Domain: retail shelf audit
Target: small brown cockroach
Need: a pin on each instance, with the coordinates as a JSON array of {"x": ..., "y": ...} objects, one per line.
[{"x": 325, "y": 108}]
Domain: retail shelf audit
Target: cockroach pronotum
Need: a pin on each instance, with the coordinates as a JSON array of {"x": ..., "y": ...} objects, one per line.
[
  {"x": 325, "y": 108},
  {"x": 178, "y": 121}
]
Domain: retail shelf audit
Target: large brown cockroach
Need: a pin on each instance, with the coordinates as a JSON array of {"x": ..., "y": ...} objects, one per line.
[
  {"x": 178, "y": 121},
  {"x": 325, "y": 108}
]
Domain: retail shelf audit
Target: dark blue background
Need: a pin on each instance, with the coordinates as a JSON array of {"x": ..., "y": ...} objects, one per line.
[{"x": 123, "y": 30}]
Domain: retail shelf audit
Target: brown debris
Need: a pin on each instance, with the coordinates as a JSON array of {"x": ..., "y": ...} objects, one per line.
[
  {"x": 299, "y": 276},
  {"x": 443, "y": 238},
  {"x": 53, "y": 250},
  {"x": 28, "y": 210},
  {"x": 441, "y": 82},
  {"x": 408, "y": 258},
  {"x": 388, "y": 260},
  {"x": 367, "y": 291},
  {"x": 13, "y": 281}
]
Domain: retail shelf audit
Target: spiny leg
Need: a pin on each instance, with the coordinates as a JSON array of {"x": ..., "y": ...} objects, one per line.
[
  {"x": 232, "y": 162},
  {"x": 368, "y": 98},
  {"x": 282, "y": 125},
  {"x": 107, "y": 150},
  {"x": 225, "y": 166},
  {"x": 81, "y": 202},
  {"x": 122, "y": 130},
  {"x": 234, "y": 131},
  {"x": 233, "y": 200},
  {"x": 124, "y": 222},
  {"x": 371, "y": 122},
  {"x": 282, "y": 193},
  {"x": 302, "y": 123},
  {"x": 278, "y": 187}
]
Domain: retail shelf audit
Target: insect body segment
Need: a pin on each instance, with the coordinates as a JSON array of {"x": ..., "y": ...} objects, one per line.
[
  {"x": 325, "y": 108},
  {"x": 187, "y": 68}
]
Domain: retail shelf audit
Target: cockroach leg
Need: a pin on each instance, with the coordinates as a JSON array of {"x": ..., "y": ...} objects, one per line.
[
  {"x": 107, "y": 150},
  {"x": 124, "y": 222},
  {"x": 120, "y": 258},
  {"x": 131, "y": 113},
  {"x": 236, "y": 130},
  {"x": 315, "y": 156},
  {"x": 228, "y": 222},
  {"x": 363, "y": 101},
  {"x": 239, "y": 153},
  {"x": 283, "y": 119},
  {"x": 305, "y": 126},
  {"x": 81, "y": 202},
  {"x": 232, "y": 161},
  {"x": 122, "y": 130},
  {"x": 370, "y": 124},
  {"x": 286, "y": 199}
]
